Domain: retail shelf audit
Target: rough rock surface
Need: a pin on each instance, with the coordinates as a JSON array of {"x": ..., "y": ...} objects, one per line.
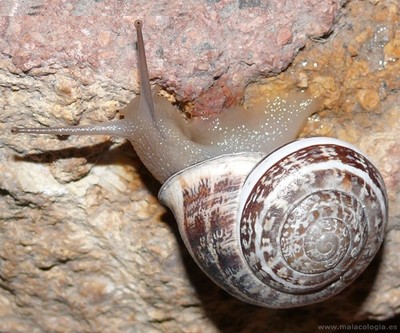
[
  {"x": 84, "y": 244},
  {"x": 204, "y": 51}
]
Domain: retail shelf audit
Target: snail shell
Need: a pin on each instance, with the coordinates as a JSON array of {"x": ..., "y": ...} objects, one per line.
[{"x": 289, "y": 229}]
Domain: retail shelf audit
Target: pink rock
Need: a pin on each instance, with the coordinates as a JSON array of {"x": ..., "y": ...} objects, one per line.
[{"x": 205, "y": 52}]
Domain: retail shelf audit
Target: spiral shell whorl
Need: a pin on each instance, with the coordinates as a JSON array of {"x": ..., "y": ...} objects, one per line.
[{"x": 315, "y": 217}]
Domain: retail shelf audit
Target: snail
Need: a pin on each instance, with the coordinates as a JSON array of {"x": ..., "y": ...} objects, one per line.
[{"x": 275, "y": 222}]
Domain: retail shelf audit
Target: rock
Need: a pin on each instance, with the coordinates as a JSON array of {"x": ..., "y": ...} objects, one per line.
[
  {"x": 84, "y": 244},
  {"x": 193, "y": 49}
]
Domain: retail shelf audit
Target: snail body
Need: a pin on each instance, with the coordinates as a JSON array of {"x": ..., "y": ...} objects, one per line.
[
  {"x": 276, "y": 227},
  {"x": 166, "y": 143}
]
